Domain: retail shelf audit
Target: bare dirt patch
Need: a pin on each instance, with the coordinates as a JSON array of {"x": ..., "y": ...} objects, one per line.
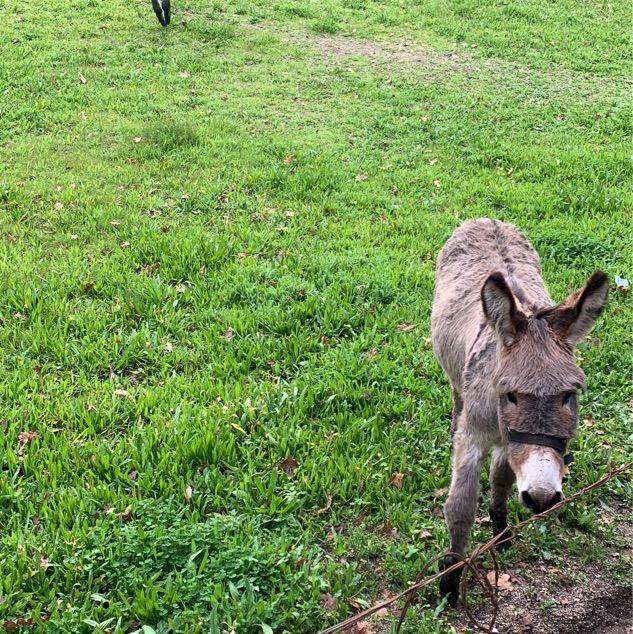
[{"x": 338, "y": 47}]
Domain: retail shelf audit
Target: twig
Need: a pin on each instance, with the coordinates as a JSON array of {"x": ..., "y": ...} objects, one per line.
[{"x": 468, "y": 563}]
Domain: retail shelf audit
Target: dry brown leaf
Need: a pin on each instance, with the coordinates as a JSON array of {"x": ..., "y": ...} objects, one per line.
[
  {"x": 133, "y": 475},
  {"x": 396, "y": 480},
  {"x": 121, "y": 393},
  {"x": 138, "y": 139},
  {"x": 58, "y": 206},
  {"x": 364, "y": 627},
  {"x": 125, "y": 245},
  {"x": 328, "y": 505},
  {"x": 184, "y": 74},
  {"x": 329, "y": 602},
  {"x": 188, "y": 493},
  {"x": 437, "y": 183},
  {"x": 229, "y": 334},
  {"x": 289, "y": 465},
  {"x": 82, "y": 79},
  {"x": 359, "y": 178},
  {"x": 406, "y": 327},
  {"x": 425, "y": 534},
  {"x": 372, "y": 354},
  {"x": 290, "y": 159},
  {"x": 433, "y": 161},
  {"x": 24, "y": 438},
  {"x": 169, "y": 347},
  {"x": 503, "y": 581},
  {"x": 44, "y": 562}
]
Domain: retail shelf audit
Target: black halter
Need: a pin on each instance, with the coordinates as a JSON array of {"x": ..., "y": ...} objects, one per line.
[{"x": 543, "y": 440}]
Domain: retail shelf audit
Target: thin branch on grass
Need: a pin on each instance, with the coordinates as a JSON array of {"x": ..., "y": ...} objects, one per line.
[{"x": 468, "y": 563}]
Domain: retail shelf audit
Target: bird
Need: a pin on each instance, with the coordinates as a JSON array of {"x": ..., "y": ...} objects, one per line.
[{"x": 162, "y": 10}]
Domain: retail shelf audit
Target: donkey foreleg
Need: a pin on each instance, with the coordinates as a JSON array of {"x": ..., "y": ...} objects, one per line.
[
  {"x": 461, "y": 505},
  {"x": 501, "y": 480}
]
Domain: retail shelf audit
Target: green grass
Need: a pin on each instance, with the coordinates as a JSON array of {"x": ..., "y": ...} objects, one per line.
[{"x": 195, "y": 286}]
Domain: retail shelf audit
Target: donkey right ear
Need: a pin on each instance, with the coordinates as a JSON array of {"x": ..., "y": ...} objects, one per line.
[{"x": 500, "y": 309}]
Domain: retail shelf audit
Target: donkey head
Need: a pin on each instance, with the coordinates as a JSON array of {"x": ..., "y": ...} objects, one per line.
[{"x": 537, "y": 380}]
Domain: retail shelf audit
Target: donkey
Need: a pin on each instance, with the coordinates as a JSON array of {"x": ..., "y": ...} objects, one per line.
[
  {"x": 508, "y": 352},
  {"x": 162, "y": 9}
]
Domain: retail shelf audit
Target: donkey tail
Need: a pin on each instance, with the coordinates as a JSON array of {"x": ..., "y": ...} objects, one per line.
[{"x": 162, "y": 9}]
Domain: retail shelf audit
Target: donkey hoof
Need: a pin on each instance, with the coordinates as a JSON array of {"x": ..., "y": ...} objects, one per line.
[
  {"x": 449, "y": 582},
  {"x": 449, "y": 587},
  {"x": 505, "y": 540}
]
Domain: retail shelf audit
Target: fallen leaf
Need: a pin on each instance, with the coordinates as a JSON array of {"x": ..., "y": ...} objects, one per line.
[
  {"x": 58, "y": 206},
  {"x": 328, "y": 602},
  {"x": 138, "y": 139},
  {"x": 438, "y": 493},
  {"x": 437, "y": 183},
  {"x": 44, "y": 562},
  {"x": 394, "y": 189},
  {"x": 121, "y": 393},
  {"x": 526, "y": 622},
  {"x": 503, "y": 581},
  {"x": 188, "y": 493},
  {"x": 325, "y": 341},
  {"x": 148, "y": 269},
  {"x": 364, "y": 627},
  {"x": 82, "y": 79},
  {"x": 126, "y": 515},
  {"x": 125, "y": 245},
  {"x": 24, "y": 438},
  {"x": 289, "y": 465},
  {"x": 229, "y": 334},
  {"x": 184, "y": 74},
  {"x": 483, "y": 520},
  {"x": 169, "y": 347},
  {"x": 10, "y": 237},
  {"x": 133, "y": 475},
  {"x": 406, "y": 327},
  {"x": 425, "y": 534},
  {"x": 360, "y": 178},
  {"x": 372, "y": 354},
  {"x": 396, "y": 480},
  {"x": 19, "y": 316},
  {"x": 328, "y": 505},
  {"x": 290, "y": 159},
  {"x": 433, "y": 161}
]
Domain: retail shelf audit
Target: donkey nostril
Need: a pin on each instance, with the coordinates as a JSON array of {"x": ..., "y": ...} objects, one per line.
[
  {"x": 528, "y": 501},
  {"x": 538, "y": 502}
]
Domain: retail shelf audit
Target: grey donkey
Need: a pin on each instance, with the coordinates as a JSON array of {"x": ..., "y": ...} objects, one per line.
[{"x": 508, "y": 352}]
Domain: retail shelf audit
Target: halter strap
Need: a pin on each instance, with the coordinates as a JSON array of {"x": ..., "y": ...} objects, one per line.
[{"x": 555, "y": 442}]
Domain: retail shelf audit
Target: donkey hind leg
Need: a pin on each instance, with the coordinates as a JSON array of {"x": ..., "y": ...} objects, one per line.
[
  {"x": 461, "y": 505},
  {"x": 501, "y": 480},
  {"x": 458, "y": 406}
]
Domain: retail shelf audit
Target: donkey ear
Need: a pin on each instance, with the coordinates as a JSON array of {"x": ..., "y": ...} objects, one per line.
[
  {"x": 500, "y": 309},
  {"x": 575, "y": 317}
]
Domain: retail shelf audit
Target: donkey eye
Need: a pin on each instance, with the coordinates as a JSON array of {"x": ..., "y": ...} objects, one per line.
[
  {"x": 512, "y": 398},
  {"x": 569, "y": 399}
]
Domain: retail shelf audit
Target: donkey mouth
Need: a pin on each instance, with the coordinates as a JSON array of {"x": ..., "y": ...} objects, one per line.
[{"x": 540, "y": 500}]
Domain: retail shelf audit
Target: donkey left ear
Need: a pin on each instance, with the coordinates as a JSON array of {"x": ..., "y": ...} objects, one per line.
[{"x": 575, "y": 317}]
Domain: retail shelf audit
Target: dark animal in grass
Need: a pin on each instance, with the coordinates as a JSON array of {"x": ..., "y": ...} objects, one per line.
[
  {"x": 508, "y": 352},
  {"x": 162, "y": 9}
]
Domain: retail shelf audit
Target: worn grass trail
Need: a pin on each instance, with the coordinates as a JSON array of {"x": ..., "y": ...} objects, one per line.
[{"x": 217, "y": 247}]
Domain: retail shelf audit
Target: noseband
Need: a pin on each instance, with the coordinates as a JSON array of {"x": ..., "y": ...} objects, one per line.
[{"x": 555, "y": 442}]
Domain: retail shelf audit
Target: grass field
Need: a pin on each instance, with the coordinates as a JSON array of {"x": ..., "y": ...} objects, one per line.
[{"x": 215, "y": 242}]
